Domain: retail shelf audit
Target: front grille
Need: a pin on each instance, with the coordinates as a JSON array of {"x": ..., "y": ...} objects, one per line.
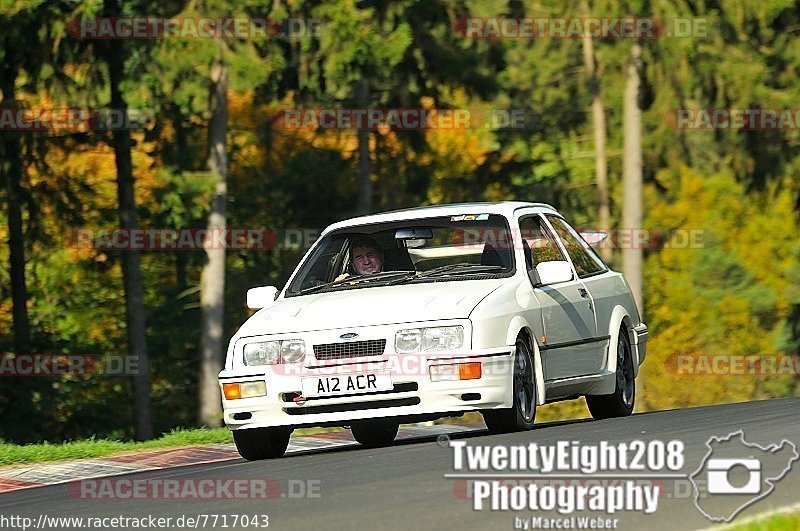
[{"x": 351, "y": 349}]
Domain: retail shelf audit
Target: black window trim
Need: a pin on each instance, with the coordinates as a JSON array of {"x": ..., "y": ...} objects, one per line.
[
  {"x": 548, "y": 230},
  {"x": 605, "y": 268}
]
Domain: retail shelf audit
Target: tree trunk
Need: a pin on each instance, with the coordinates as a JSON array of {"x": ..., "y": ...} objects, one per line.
[
  {"x": 16, "y": 241},
  {"x": 17, "y": 406},
  {"x": 212, "y": 278},
  {"x": 131, "y": 270},
  {"x": 181, "y": 159},
  {"x": 632, "y": 175},
  {"x": 364, "y": 204},
  {"x": 599, "y": 125}
]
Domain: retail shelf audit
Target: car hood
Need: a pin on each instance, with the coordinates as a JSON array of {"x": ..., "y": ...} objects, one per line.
[{"x": 371, "y": 306}]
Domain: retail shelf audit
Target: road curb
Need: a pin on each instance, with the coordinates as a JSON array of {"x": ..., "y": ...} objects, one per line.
[{"x": 21, "y": 477}]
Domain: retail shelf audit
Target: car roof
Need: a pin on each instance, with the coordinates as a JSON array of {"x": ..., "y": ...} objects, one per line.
[{"x": 505, "y": 208}]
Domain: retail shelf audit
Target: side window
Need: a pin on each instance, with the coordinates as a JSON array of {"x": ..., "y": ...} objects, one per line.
[
  {"x": 322, "y": 266},
  {"x": 538, "y": 244},
  {"x": 583, "y": 257}
]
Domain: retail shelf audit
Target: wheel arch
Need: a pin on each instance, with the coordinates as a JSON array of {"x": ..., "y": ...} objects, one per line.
[
  {"x": 520, "y": 328},
  {"x": 619, "y": 318}
]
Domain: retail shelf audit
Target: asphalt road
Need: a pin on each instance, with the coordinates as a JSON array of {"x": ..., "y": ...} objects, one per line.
[{"x": 404, "y": 486}]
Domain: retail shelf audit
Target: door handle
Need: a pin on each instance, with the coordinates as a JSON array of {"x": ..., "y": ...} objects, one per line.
[{"x": 583, "y": 293}]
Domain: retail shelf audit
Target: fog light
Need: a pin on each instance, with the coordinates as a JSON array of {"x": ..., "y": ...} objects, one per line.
[
  {"x": 233, "y": 391},
  {"x": 444, "y": 373},
  {"x": 469, "y": 371},
  {"x": 455, "y": 372},
  {"x": 251, "y": 389}
]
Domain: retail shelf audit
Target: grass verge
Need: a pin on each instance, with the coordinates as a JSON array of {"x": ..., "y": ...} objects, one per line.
[
  {"x": 778, "y": 522},
  {"x": 41, "y": 452}
]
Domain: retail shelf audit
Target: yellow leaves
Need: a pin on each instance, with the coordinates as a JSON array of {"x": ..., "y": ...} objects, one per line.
[
  {"x": 724, "y": 298},
  {"x": 98, "y": 331},
  {"x": 496, "y": 192},
  {"x": 240, "y": 110},
  {"x": 766, "y": 239},
  {"x": 76, "y": 251},
  {"x": 456, "y": 154},
  {"x": 144, "y": 170},
  {"x": 5, "y": 315}
]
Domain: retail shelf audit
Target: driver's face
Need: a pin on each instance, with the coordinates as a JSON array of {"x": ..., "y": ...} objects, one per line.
[{"x": 366, "y": 260}]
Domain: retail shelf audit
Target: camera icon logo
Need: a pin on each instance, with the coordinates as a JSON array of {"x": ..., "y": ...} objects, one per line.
[
  {"x": 735, "y": 474},
  {"x": 718, "y": 477}
]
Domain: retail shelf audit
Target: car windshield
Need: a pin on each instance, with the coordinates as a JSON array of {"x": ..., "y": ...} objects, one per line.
[{"x": 452, "y": 248}]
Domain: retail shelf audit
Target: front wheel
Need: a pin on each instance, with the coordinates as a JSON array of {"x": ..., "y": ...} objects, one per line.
[
  {"x": 255, "y": 444},
  {"x": 620, "y": 402},
  {"x": 374, "y": 434},
  {"x": 521, "y": 415}
]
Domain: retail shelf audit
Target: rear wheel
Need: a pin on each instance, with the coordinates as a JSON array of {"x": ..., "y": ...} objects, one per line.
[
  {"x": 620, "y": 402},
  {"x": 262, "y": 443},
  {"x": 521, "y": 415},
  {"x": 374, "y": 433}
]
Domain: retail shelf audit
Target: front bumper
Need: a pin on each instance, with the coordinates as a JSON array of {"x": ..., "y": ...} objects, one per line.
[
  {"x": 640, "y": 336},
  {"x": 414, "y": 394}
]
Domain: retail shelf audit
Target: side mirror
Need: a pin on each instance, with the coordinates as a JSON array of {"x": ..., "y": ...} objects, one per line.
[
  {"x": 594, "y": 238},
  {"x": 262, "y": 297},
  {"x": 554, "y": 272}
]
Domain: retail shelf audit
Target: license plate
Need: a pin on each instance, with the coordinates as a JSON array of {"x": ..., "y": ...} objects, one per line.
[{"x": 346, "y": 384}]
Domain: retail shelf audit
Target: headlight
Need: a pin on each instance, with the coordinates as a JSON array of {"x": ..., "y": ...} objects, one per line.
[
  {"x": 433, "y": 339},
  {"x": 408, "y": 340},
  {"x": 442, "y": 338},
  {"x": 274, "y": 352},
  {"x": 293, "y": 350}
]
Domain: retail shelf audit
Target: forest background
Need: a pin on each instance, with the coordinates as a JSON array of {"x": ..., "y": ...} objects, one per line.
[{"x": 595, "y": 125}]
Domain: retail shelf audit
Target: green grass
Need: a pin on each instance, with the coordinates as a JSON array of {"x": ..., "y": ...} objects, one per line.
[
  {"x": 780, "y": 522},
  {"x": 40, "y": 452}
]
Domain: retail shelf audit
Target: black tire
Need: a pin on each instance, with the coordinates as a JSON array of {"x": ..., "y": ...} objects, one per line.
[
  {"x": 375, "y": 433},
  {"x": 619, "y": 403},
  {"x": 255, "y": 444},
  {"x": 521, "y": 415}
]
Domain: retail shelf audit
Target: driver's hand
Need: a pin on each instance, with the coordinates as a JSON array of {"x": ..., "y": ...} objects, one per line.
[{"x": 341, "y": 277}]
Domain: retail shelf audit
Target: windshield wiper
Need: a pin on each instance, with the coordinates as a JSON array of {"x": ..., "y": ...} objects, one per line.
[
  {"x": 356, "y": 279},
  {"x": 404, "y": 276},
  {"x": 460, "y": 268},
  {"x": 384, "y": 275},
  {"x": 449, "y": 269}
]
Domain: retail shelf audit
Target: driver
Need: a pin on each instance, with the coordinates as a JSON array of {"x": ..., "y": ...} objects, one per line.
[{"x": 366, "y": 256}]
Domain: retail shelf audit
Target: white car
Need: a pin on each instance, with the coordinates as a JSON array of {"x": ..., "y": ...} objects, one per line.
[{"x": 483, "y": 307}]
